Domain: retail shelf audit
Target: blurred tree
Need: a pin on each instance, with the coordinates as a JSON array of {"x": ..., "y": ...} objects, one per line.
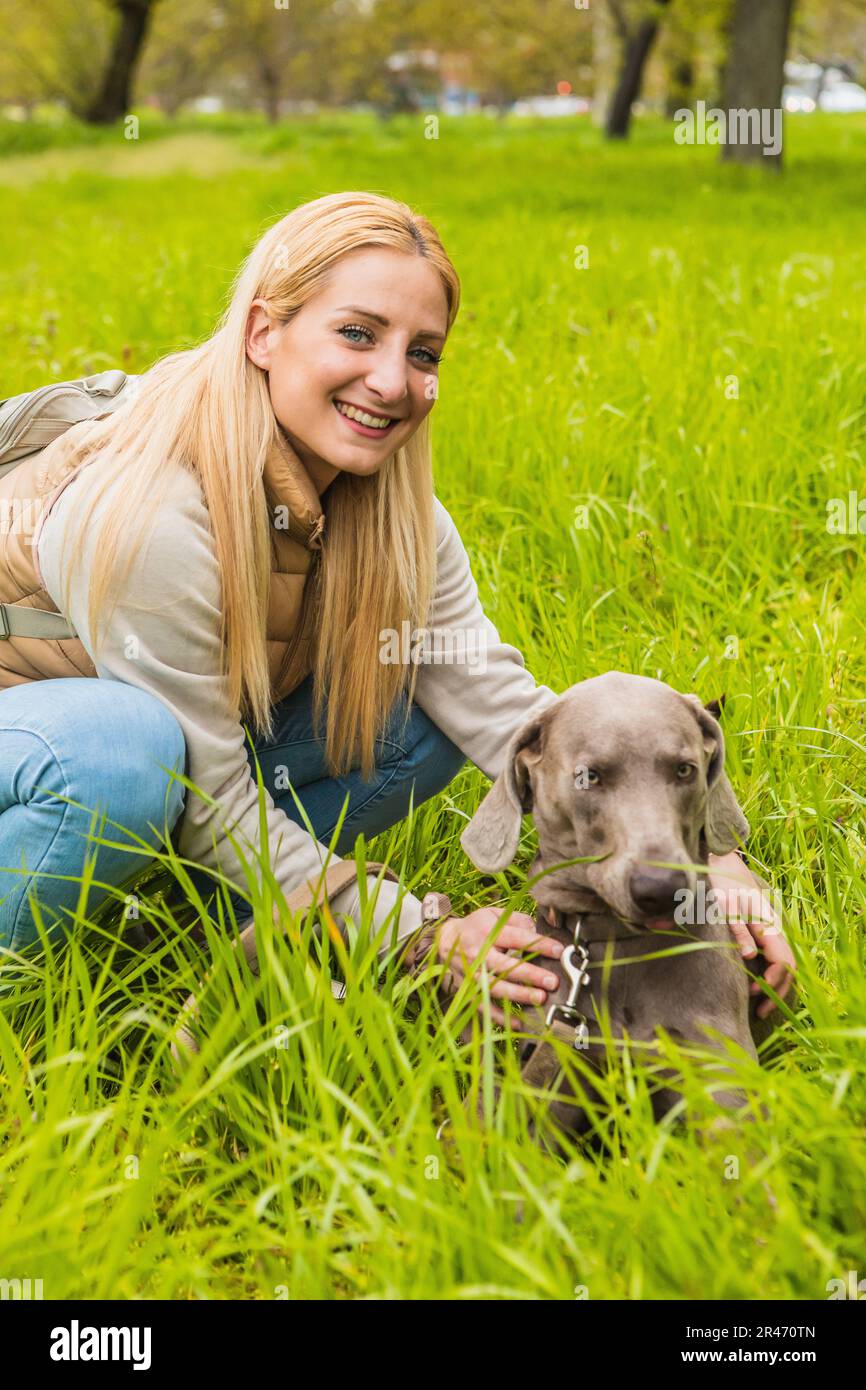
[
  {"x": 393, "y": 36},
  {"x": 505, "y": 49},
  {"x": 680, "y": 71},
  {"x": 527, "y": 47},
  {"x": 825, "y": 32},
  {"x": 114, "y": 95},
  {"x": 285, "y": 51},
  {"x": 692, "y": 53},
  {"x": 53, "y": 53},
  {"x": 181, "y": 54},
  {"x": 605, "y": 62},
  {"x": 755, "y": 70},
  {"x": 636, "y": 26}
]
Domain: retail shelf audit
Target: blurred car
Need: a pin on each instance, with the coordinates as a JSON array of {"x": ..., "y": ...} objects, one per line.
[
  {"x": 553, "y": 105},
  {"x": 821, "y": 87},
  {"x": 797, "y": 99},
  {"x": 842, "y": 96}
]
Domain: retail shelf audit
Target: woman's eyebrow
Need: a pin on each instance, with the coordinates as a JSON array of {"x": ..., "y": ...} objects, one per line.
[{"x": 377, "y": 318}]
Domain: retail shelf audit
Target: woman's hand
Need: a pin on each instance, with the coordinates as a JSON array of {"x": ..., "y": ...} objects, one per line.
[
  {"x": 460, "y": 940},
  {"x": 752, "y": 919}
]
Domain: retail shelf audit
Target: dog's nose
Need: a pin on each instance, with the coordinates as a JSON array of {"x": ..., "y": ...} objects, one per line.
[{"x": 654, "y": 891}]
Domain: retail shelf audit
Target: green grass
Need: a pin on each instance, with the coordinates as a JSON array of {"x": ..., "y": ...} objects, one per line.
[{"x": 298, "y": 1155}]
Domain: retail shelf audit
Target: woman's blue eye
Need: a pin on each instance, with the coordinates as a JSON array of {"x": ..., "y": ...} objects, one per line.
[
  {"x": 355, "y": 328},
  {"x": 432, "y": 358}
]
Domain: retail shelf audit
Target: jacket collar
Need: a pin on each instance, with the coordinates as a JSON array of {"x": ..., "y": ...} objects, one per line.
[{"x": 288, "y": 483}]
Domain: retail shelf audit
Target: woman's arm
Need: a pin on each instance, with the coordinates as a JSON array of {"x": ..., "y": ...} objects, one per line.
[
  {"x": 754, "y": 922},
  {"x": 484, "y": 692}
]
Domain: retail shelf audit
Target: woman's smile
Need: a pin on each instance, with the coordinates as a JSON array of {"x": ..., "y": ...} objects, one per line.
[{"x": 369, "y": 423}]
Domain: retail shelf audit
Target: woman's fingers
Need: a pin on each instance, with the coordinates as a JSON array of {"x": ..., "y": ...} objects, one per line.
[
  {"x": 779, "y": 975},
  {"x": 509, "y": 989},
  {"x": 523, "y": 938},
  {"x": 743, "y": 938},
  {"x": 526, "y": 983},
  {"x": 522, "y": 972},
  {"x": 520, "y": 994},
  {"x": 780, "y": 982}
]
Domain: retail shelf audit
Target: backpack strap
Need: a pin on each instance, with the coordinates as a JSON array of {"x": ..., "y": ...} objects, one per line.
[{"x": 18, "y": 621}]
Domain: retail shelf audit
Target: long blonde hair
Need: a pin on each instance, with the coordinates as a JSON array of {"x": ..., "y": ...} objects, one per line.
[{"x": 209, "y": 410}]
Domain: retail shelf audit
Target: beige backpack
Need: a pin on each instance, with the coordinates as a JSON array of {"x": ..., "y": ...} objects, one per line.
[{"x": 29, "y": 423}]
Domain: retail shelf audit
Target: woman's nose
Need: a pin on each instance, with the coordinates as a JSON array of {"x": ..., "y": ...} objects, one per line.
[{"x": 387, "y": 378}]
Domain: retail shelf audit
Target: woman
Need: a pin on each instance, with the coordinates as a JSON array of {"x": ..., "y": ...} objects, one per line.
[{"x": 242, "y": 537}]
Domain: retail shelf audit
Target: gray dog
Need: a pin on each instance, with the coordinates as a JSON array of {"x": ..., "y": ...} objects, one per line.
[{"x": 626, "y": 772}]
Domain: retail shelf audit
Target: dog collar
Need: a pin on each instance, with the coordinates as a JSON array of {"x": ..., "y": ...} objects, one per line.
[
  {"x": 565, "y": 1020},
  {"x": 568, "y": 921}
]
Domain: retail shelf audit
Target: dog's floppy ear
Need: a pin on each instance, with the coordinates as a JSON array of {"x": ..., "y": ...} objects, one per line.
[
  {"x": 491, "y": 838},
  {"x": 725, "y": 826}
]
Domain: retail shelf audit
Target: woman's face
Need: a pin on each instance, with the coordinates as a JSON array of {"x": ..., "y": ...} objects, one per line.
[{"x": 370, "y": 341}]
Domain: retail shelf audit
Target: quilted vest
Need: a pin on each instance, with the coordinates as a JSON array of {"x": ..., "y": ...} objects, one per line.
[{"x": 297, "y": 523}]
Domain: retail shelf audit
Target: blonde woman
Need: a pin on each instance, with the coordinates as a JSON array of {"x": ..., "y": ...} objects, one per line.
[{"x": 230, "y": 546}]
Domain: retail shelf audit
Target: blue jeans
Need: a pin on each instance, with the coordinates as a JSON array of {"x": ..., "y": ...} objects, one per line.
[{"x": 107, "y": 745}]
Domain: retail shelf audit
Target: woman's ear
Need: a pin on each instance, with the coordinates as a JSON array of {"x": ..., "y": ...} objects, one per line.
[{"x": 258, "y": 329}]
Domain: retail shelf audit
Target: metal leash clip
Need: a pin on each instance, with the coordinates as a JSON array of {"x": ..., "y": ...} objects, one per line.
[{"x": 575, "y": 959}]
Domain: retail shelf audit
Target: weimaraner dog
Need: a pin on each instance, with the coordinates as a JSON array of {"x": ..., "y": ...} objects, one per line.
[{"x": 628, "y": 773}]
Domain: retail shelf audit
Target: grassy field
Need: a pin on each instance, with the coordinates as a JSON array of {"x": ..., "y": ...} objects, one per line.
[{"x": 697, "y": 389}]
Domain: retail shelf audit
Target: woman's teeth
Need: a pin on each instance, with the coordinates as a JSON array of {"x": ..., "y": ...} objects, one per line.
[{"x": 374, "y": 422}]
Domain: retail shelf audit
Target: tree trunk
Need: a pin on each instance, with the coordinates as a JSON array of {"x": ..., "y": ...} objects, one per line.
[
  {"x": 636, "y": 49},
  {"x": 755, "y": 72},
  {"x": 604, "y": 62},
  {"x": 114, "y": 96},
  {"x": 270, "y": 92},
  {"x": 681, "y": 86},
  {"x": 680, "y": 74}
]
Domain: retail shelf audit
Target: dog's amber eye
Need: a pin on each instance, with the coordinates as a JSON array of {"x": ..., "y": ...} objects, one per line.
[
  {"x": 586, "y": 777},
  {"x": 685, "y": 771}
]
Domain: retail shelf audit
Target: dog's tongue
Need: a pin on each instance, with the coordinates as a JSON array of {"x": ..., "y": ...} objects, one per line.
[{"x": 660, "y": 923}]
